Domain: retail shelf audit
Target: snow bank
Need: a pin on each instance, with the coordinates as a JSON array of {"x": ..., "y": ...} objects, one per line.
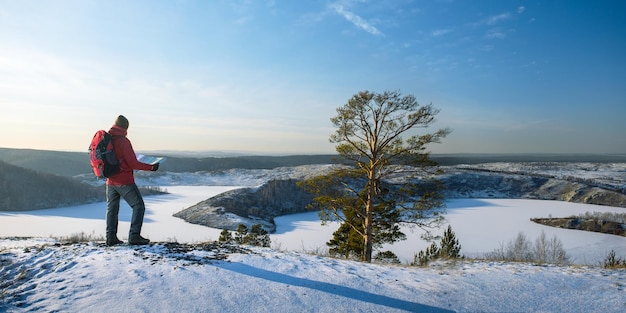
[{"x": 91, "y": 278}]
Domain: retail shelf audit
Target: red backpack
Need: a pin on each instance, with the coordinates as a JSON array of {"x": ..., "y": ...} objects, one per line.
[{"x": 103, "y": 159}]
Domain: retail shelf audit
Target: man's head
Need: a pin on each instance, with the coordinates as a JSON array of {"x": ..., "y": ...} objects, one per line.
[{"x": 122, "y": 122}]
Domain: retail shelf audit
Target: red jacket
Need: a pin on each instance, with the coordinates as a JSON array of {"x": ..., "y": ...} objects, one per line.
[{"x": 126, "y": 155}]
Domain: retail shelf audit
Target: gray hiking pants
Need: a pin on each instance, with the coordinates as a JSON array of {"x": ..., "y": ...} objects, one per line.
[{"x": 132, "y": 196}]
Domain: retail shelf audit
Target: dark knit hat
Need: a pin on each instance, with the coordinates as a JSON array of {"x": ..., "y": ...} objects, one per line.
[{"x": 122, "y": 122}]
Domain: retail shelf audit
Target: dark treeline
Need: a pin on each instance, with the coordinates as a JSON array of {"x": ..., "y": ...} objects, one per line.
[
  {"x": 52, "y": 162},
  {"x": 24, "y": 189},
  {"x": 77, "y": 163}
]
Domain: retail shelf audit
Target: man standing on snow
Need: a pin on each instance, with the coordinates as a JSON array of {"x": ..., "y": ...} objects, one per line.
[{"x": 122, "y": 185}]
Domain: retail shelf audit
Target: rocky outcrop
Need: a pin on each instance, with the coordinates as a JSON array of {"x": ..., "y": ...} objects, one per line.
[
  {"x": 464, "y": 184},
  {"x": 587, "y": 224},
  {"x": 577, "y": 192},
  {"x": 249, "y": 206}
]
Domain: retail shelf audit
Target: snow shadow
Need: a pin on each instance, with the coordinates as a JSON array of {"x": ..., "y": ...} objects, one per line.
[
  {"x": 298, "y": 221},
  {"x": 342, "y": 291},
  {"x": 452, "y": 204}
]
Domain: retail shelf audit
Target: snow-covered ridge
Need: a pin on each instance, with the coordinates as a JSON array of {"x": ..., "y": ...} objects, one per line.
[
  {"x": 165, "y": 277},
  {"x": 610, "y": 176},
  {"x": 232, "y": 177}
]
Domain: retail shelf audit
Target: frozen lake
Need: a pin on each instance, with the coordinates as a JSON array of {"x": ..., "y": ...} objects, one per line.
[{"x": 481, "y": 225}]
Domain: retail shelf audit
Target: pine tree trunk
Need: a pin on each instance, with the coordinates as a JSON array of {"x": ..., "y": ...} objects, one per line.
[
  {"x": 368, "y": 237},
  {"x": 369, "y": 212}
]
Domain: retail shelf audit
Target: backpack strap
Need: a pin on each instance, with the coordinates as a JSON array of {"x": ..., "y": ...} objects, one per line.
[{"x": 119, "y": 158}]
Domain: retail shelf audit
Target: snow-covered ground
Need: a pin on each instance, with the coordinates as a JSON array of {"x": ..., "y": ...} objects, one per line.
[{"x": 93, "y": 278}]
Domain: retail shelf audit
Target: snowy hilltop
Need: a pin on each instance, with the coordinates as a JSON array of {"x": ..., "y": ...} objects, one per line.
[{"x": 43, "y": 275}]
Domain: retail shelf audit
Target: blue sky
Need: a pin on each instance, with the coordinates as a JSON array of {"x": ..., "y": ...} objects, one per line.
[{"x": 267, "y": 76}]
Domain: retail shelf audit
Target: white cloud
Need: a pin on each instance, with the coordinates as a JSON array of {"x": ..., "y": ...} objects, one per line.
[
  {"x": 486, "y": 48},
  {"x": 495, "y": 33},
  {"x": 440, "y": 32},
  {"x": 497, "y": 18},
  {"x": 521, "y": 9},
  {"x": 243, "y": 20},
  {"x": 355, "y": 19}
]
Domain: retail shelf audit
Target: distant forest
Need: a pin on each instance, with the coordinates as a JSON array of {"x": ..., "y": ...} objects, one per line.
[
  {"x": 76, "y": 163},
  {"x": 52, "y": 162},
  {"x": 24, "y": 189}
]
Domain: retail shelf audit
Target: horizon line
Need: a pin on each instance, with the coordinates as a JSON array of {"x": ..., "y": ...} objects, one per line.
[{"x": 261, "y": 153}]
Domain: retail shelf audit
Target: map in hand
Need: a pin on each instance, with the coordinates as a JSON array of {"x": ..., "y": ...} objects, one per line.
[{"x": 150, "y": 159}]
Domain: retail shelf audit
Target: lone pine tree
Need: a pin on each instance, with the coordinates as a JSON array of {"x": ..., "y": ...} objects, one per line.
[{"x": 369, "y": 129}]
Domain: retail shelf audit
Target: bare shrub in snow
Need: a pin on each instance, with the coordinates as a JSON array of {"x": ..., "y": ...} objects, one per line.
[
  {"x": 522, "y": 249},
  {"x": 81, "y": 237}
]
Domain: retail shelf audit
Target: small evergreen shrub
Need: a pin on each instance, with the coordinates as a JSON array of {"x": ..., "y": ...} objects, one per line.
[
  {"x": 612, "y": 261},
  {"x": 387, "y": 257},
  {"x": 450, "y": 246},
  {"x": 450, "y": 249},
  {"x": 239, "y": 236},
  {"x": 226, "y": 237},
  {"x": 255, "y": 236}
]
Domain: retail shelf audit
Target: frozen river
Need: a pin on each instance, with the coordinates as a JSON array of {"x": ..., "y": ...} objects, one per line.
[{"x": 481, "y": 225}]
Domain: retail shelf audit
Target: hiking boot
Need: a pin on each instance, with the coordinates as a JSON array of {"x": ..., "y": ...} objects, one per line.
[
  {"x": 112, "y": 241},
  {"x": 138, "y": 240}
]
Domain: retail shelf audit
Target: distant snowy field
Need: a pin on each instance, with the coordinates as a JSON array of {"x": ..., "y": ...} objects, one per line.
[{"x": 481, "y": 225}]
